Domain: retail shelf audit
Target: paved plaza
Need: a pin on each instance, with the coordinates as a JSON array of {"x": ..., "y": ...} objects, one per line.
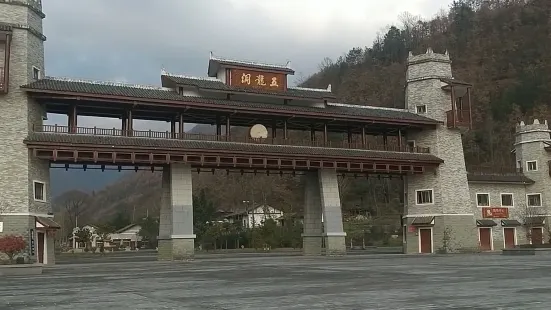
[{"x": 290, "y": 282}]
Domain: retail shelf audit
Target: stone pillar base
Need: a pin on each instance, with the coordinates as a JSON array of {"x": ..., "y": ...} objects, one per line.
[
  {"x": 335, "y": 244},
  {"x": 183, "y": 249},
  {"x": 311, "y": 245},
  {"x": 176, "y": 249},
  {"x": 164, "y": 249}
]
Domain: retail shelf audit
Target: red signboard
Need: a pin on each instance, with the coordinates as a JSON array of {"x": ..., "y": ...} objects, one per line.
[
  {"x": 267, "y": 81},
  {"x": 495, "y": 213},
  {"x": 412, "y": 229}
]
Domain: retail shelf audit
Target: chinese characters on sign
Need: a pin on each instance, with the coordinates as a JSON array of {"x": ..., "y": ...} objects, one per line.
[
  {"x": 496, "y": 213},
  {"x": 257, "y": 79}
]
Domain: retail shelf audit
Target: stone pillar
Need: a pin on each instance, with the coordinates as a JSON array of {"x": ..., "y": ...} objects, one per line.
[
  {"x": 49, "y": 249},
  {"x": 165, "y": 218},
  {"x": 332, "y": 214},
  {"x": 176, "y": 238},
  {"x": 312, "y": 236}
]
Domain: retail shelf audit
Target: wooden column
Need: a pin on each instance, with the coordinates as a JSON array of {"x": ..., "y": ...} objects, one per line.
[
  {"x": 400, "y": 139},
  {"x": 130, "y": 121},
  {"x": 312, "y": 134},
  {"x": 227, "y": 128},
  {"x": 385, "y": 140},
  {"x": 285, "y": 129},
  {"x": 363, "y": 136},
  {"x": 72, "y": 119},
  {"x": 274, "y": 130},
  {"x": 454, "y": 114},
  {"x": 173, "y": 128},
  {"x": 181, "y": 126},
  {"x": 470, "y": 108},
  {"x": 218, "y": 127},
  {"x": 124, "y": 125},
  {"x": 349, "y": 136},
  {"x": 325, "y": 134}
]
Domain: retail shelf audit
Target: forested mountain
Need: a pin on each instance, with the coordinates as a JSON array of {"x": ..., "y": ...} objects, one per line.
[{"x": 501, "y": 46}]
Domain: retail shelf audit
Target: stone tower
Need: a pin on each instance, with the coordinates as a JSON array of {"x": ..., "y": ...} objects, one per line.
[
  {"x": 445, "y": 197},
  {"x": 24, "y": 180},
  {"x": 532, "y": 159}
]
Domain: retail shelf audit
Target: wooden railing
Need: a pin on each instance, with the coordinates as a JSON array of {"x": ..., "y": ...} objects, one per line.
[
  {"x": 240, "y": 139},
  {"x": 494, "y": 169},
  {"x": 458, "y": 118}
]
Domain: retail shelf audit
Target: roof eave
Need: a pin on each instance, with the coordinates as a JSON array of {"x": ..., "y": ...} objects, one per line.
[
  {"x": 434, "y": 161},
  {"x": 149, "y": 101}
]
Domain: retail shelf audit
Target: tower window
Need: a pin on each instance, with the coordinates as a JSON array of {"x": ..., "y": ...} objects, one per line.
[
  {"x": 507, "y": 200},
  {"x": 424, "y": 196},
  {"x": 532, "y": 165},
  {"x": 483, "y": 200},
  {"x": 39, "y": 191},
  {"x": 533, "y": 200},
  {"x": 421, "y": 108},
  {"x": 36, "y": 73}
]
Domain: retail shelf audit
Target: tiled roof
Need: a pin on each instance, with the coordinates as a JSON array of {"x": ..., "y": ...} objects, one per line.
[
  {"x": 112, "y": 141},
  {"x": 423, "y": 220},
  {"x": 215, "y": 84},
  {"x": 214, "y": 62},
  {"x": 499, "y": 178},
  {"x": 158, "y": 93},
  {"x": 485, "y": 223},
  {"x": 47, "y": 222}
]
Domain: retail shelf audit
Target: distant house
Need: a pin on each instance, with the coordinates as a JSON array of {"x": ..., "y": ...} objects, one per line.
[
  {"x": 254, "y": 217},
  {"x": 77, "y": 244},
  {"x": 127, "y": 236}
]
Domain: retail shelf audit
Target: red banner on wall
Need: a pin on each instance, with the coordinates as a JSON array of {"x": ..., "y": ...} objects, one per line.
[{"x": 495, "y": 213}]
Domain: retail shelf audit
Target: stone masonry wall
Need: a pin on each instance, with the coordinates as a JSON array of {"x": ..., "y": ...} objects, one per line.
[
  {"x": 19, "y": 113},
  {"x": 451, "y": 203},
  {"x": 529, "y": 146}
]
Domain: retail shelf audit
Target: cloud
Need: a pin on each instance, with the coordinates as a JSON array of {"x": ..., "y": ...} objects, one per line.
[{"x": 128, "y": 40}]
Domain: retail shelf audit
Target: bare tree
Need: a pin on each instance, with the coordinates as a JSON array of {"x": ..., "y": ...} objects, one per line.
[
  {"x": 74, "y": 207},
  {"x": 526, "y": 215}
]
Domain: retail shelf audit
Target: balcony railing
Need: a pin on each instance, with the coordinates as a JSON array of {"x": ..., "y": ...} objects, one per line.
[
  {"x": 239, "y": 139},
  {"x": 458, "y": 118},
  {"x": 494, "y": 169}
]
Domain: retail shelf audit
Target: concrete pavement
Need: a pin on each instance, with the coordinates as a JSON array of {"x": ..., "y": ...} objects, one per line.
[{"x": 291, "y": 282}]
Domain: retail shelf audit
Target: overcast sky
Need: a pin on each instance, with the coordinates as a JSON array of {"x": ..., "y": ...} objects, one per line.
[{"x": 131, "y": 40}]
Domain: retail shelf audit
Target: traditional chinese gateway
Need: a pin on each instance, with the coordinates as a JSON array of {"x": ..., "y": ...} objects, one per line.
[{"x": 420, "y": 144}]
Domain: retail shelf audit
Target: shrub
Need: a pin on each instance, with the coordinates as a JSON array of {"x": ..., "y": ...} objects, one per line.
[
  {"x": 86, "y": 249},
  {"x": 12, "y": 245},
  {"x": 20, "y": 260},
  {"x": 93, "y": 249}
]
